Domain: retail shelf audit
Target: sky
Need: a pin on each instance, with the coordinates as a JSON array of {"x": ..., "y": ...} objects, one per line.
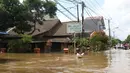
[{"x": 118, "y": 11}]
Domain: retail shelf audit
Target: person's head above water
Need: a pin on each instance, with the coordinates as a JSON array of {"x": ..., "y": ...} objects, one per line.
[{"x": 77, "y": 50}]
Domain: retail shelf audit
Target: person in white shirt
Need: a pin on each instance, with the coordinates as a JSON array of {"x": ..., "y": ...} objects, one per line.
[{"x": 79, "y": 54}]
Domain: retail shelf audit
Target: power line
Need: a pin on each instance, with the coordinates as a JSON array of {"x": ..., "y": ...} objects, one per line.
[
  {"x": 65, "y": 9},
  {"x": 101, "y": 8},
  {"x": 71, "y": 1},
  {"x": 68, "y": 8},
  {"x": 103, "y": 12},
  {"x": 92, "y": 5},
  {"x": 64, "y": 14},
  {"x": 89, "y": 14},
  {"x": 95, "y": 8},
  {"x": 64, "y": 1},
  {"x": 92, "y": 10}
]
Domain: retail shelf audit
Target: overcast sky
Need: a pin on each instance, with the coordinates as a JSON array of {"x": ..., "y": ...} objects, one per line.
[
  {"x": 116, "y": 10},
  {"x": 120, "y": 13}
]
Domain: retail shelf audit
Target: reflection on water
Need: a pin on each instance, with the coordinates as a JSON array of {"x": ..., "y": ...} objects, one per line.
[
  {"x": 114, "y": 61},
  {"x": 119, "y": 61}
]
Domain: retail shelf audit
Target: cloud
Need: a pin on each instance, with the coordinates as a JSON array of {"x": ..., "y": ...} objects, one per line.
[{"x": 119, "y": 10}]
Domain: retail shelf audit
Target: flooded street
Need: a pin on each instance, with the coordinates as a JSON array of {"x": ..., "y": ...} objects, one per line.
[
  {"x": 119, "y": 61},
  {"x": 111, "y": 61}
]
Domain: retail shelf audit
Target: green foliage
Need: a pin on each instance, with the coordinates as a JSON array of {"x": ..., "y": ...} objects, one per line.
[
  {"x": 127, "y": 40},
  {"x": 13, "y": 13},
  {"x": 50, "y": 8},
  {"x": 82, "y": 42},
  {"x": 99, "y": 41},
  {"x": 38, "y": 9},
  {"x": 15, "y": 44},
  {"x": 20, "y": 45},
  {"x": 26, "y": 38},
  {"x": 71, "y": 49},
  {"x": 115, "y": 41},
  {"x": 119, "y": 41},
  {"x": 24, "y": 15},
  {"x": 7, "y": 12}
]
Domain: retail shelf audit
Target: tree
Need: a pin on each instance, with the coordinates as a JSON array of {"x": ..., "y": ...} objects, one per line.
[
  {"x": 119, "y": 41},
  {"x": 7, "y": 12},
  {"x": 115, "y": 41},
  {"x": 13, "y": 13},
  {"x": 99, "y": 41},
  {"x": 82, "y": 42},
  {"x": 127, "y": 40},
  {"x": 23, "y": 15},
  {"x": 39, "y": 9}
]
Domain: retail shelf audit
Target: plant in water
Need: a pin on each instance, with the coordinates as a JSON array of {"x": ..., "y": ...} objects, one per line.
[{"x": 20, "y": 45}]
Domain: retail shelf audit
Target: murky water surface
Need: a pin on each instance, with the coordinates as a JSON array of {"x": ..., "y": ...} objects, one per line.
[{"x": 114, "y": 61}]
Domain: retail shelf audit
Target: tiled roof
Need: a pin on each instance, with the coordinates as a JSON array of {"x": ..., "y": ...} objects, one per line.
[
  {"x": 62, "y": 30},
  {"x": 46, "y": 26}
]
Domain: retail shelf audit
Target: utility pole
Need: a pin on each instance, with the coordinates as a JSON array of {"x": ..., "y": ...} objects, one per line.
[
  {"x": 109, "y": 27},
  {"x": 110, "y": 42},
  {"x": 74, "y": 44},
  {"x": 83, "y": 5},
  {"x": 77, "y": 12},
  {"x": 78, "y": 16}
]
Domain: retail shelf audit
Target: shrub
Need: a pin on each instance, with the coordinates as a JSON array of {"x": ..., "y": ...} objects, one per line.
[
  {"x": 98, "y": 41},
  {"x": 20, "y": 45}
]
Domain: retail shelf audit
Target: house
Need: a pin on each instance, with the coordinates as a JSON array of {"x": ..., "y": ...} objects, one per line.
[
  {"x": 4, "y": 37},
  {"x": 53, "y": 33},
  {"x": 2, "y": 43},
  {"x": 90, "y": 25},
  {"x": 74, "y": 28},
  {"x": 95, "y": 23},
  {"x": 51, "y": 30}
]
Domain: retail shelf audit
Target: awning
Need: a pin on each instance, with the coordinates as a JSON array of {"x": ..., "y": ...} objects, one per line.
[
  {"x": 37, "y": 41},
  {"x": 59, "y": 40},
  {"x": 3, "y": 33},
  {"x": 10, "y": 37},
  {"x": 62, "y": 40}
]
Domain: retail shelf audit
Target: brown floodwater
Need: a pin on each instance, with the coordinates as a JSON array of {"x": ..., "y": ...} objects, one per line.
[{"x": 111, "y": 61}]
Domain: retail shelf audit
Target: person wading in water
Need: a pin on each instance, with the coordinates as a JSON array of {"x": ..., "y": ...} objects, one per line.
[{"x": 79, "y": 53}]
